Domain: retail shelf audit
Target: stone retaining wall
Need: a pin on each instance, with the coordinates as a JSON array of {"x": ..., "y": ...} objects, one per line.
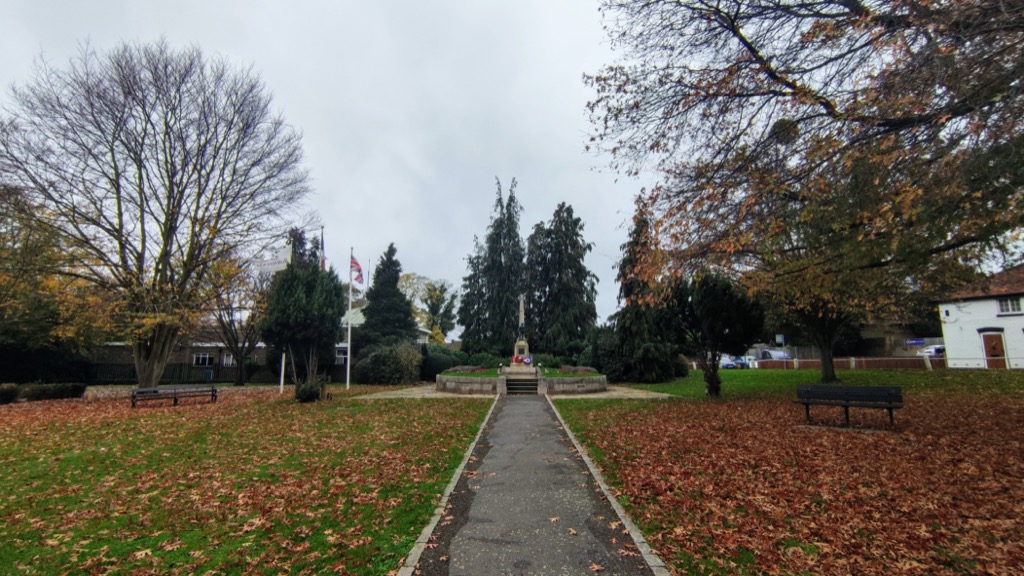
[
  {"x": 492, "y": 385},
  {"x": 470, "y": 385},
  {"x": 578, "y": 385}
]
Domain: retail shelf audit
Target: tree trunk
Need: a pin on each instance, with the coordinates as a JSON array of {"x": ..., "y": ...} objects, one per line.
[
  {"x": 712, "y": 381},
  {"x": 825, "y": 338},
  {"x": 828, "y": 366},
  {"x": 312, "y": 359},
  {"x": 291, "y": 359},
  {"x": 240, "y": 370},
  {"x": 151, "y": 354}
]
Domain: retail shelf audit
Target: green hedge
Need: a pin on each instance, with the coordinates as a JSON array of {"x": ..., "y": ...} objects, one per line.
[
  {"x": 399, "y": 364},
  {"x": 32, "y": 392},
  {"x": 485, "y": 360},
  {"x": 8, "y": 393}
]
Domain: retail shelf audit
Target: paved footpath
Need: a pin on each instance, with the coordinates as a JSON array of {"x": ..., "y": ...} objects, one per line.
[{"x": 530, "y": 506}]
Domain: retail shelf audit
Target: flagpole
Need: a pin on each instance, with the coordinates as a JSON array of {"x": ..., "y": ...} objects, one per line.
[{"x": 348, "y": 335}]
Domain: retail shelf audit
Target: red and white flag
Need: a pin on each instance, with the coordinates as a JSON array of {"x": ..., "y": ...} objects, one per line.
[{"x": 356, "y": 269}]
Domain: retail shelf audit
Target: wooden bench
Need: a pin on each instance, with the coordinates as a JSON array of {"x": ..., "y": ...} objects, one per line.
[
  {"x": 174, "y": 392},
  {"x": 882, "y": 397}
]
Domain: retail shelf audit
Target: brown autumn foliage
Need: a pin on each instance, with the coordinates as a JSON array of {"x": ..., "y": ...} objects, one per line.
[{"x": 747, "y": 487}]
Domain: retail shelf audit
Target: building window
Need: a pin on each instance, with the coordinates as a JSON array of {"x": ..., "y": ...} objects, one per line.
[
  {"x": 229, "y": 360},
  {"x": 1009, "y": 305},
  {"x": 202, "y": 359},
  {"x": 340, "y": 355}
]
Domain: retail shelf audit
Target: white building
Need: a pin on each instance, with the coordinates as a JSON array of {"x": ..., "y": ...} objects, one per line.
[{"x": 983, "y": 325}]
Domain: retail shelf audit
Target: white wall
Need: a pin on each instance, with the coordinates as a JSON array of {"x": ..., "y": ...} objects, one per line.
[{"x": 960, "y": 324}]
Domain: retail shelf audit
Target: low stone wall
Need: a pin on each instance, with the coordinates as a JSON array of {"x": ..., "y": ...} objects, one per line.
[
  {"x": 492, "y": 385},
  {"x": 577, "y": 385},
  {"x": 470, "y": 385}
]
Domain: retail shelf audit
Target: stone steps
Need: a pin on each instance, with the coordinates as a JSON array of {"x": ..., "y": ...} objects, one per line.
[{"x": 526, "y": 385}]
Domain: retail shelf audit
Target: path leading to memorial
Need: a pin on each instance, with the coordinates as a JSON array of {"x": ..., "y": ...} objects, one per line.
[{"x": 527, "y": 504}]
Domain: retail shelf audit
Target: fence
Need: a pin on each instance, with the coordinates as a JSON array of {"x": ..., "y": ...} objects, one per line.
[
  {"x": 854, "y": 363},
  {"x": 174, "y": 373}
]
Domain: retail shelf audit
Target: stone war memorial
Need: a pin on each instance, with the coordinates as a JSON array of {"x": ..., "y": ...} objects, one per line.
[{"x": 522, "y": 375}]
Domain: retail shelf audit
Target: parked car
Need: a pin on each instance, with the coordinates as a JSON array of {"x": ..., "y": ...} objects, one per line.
[
  {"x": 774, "y": 354},
  {"x": 933, "y": 351},
  {"x": 726, "y": 361}
]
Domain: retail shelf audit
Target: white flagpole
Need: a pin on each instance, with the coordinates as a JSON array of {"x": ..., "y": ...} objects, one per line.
[{"x": 348, "y": 335}]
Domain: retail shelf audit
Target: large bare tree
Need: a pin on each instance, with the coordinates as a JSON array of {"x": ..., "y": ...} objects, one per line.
[{"x": 153, "y": 164}]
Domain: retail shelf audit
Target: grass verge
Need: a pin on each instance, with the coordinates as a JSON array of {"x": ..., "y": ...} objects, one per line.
[{"x": 254, "y": 484}]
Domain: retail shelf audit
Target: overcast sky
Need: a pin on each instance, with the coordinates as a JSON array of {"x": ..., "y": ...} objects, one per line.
[{"x": 408, "y": 109}]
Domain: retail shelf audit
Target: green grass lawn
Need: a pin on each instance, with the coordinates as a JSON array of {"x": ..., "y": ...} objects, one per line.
[
  {"x": 776, "y": 383},
  {"x": 254, "y": 484}
]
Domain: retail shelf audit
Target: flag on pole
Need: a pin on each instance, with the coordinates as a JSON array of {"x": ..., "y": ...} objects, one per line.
[{"x": 355, "y": 268}]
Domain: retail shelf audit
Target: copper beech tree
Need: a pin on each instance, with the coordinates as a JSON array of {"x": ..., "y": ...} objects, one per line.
[{"x": 153, "y": 164}]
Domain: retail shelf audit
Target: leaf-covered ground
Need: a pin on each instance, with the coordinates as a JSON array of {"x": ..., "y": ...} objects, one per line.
[
  {"x": 743, "y": 486},
  {"x": 253, "y": 484}
]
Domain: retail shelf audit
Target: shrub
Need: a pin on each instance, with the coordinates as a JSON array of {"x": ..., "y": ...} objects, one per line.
[
  {"x": 602, "y": 353},
  {"x": 654, "y": 362},
  {"x": 466, "y": 369},
  {"x": 548, "y": 360},
  {"x": 434, "y": 364},
  {"x": 460, "y": 357},
  {"x": 8, "y": 393},
  {"x": 308, "y": 391},
  {"x": 409, "y": 360},
  {"x": 485, "y": 360},
  {"x": 682, "y": 366},
  {"x": 32, "y": 392},
  {"x": 397, "y": 364}
]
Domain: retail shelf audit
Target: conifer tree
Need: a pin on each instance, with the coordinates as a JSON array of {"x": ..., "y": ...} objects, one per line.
[
  {"x": 472, "y": 314},
  {"x": 303, "y": 315},
  {"x": 561, "y": 290},
  {"x": 504, "y": 267},
  {"x": 642, "y": 331},
  {"x": 389, "y": 316},
  {"x": 489, "y": 311}
]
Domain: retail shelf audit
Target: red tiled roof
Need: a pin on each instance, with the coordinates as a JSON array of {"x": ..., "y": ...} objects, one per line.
[{"x": 1006, "y": 283}]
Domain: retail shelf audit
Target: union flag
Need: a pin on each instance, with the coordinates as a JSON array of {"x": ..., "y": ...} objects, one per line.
[{"x": 356, "y": 269}]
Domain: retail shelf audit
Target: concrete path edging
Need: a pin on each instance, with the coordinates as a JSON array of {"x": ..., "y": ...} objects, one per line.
[
  {"x": 409, "y": 567},
  {"x": 649, "y": 555}
]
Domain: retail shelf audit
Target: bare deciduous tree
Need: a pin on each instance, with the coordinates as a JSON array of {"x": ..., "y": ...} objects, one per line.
[{"x": 153, "y": 164}]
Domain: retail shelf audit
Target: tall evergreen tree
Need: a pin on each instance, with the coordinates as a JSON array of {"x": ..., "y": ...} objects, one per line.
[
  {"x": 642, "y": 329},
  {"x": 537, "y": 282},
  {"x": 504, "y": 271},
  {"x": 490, "y": 302},
  {"x": 561, "y": 289},
  {"x": 389, "y": 316},
  {"x": 472, "y": 313}
]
